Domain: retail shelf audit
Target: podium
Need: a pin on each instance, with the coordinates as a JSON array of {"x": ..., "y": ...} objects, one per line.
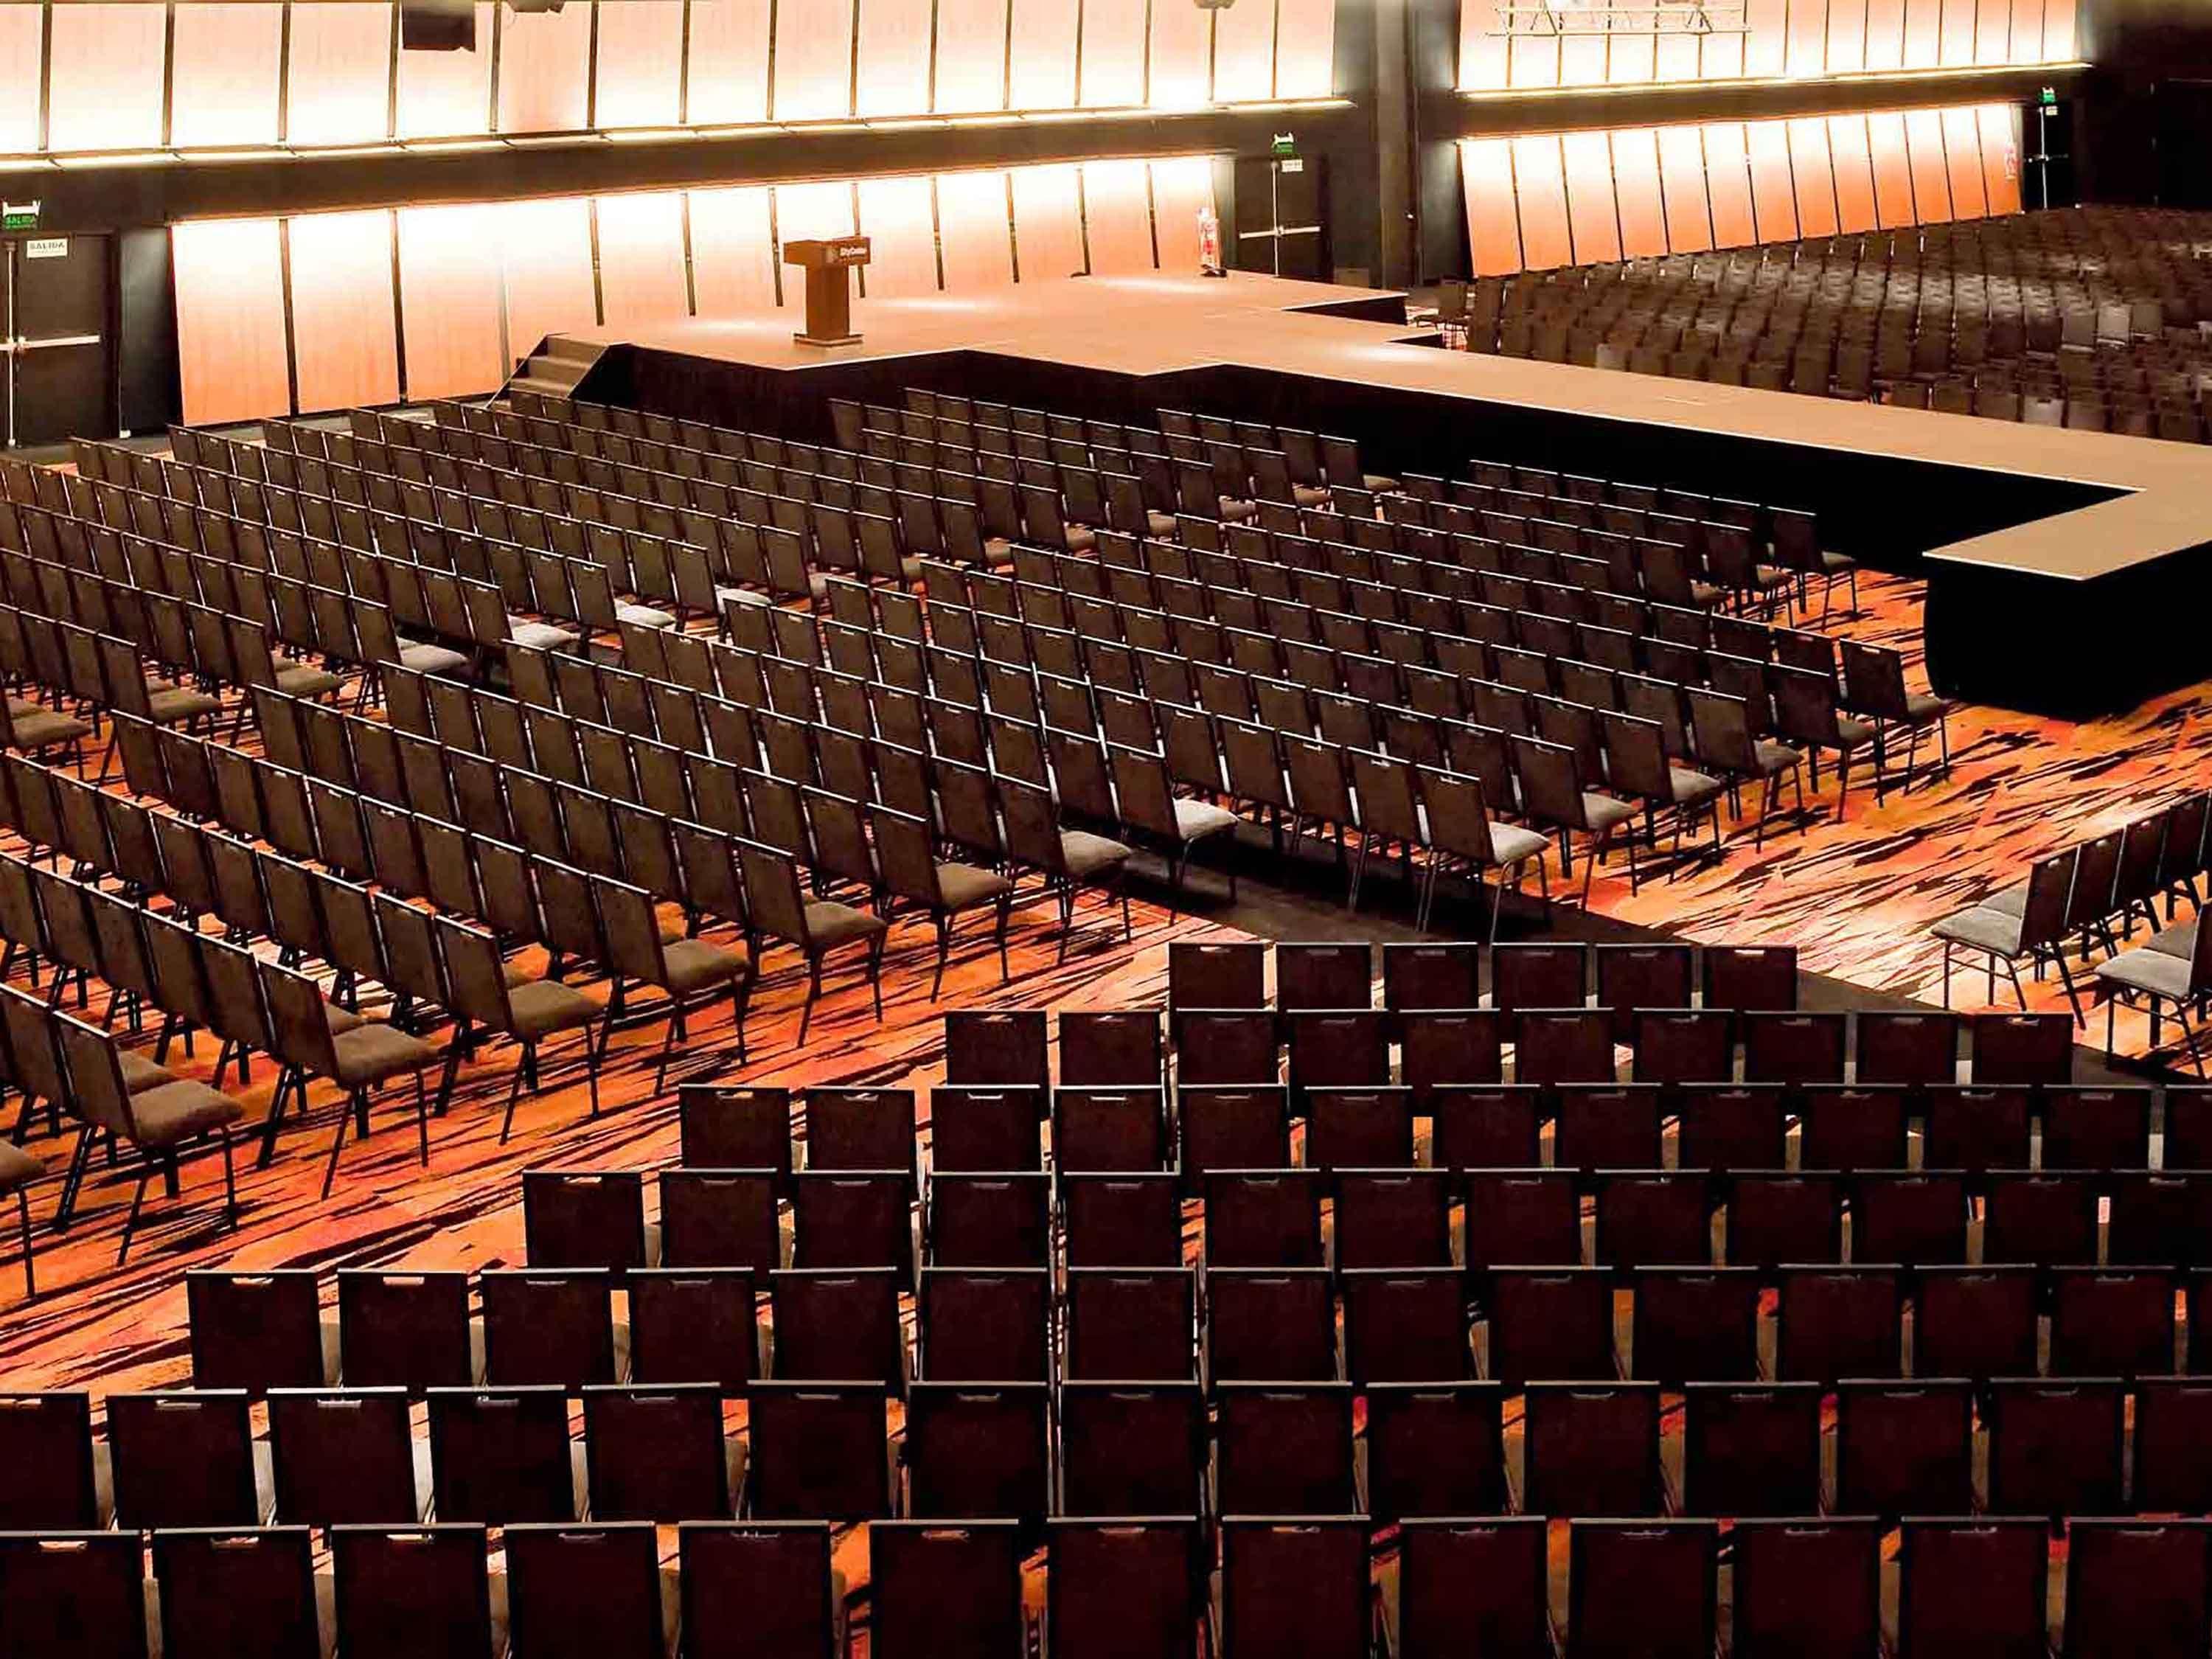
[{"x": 828, "y": 287}]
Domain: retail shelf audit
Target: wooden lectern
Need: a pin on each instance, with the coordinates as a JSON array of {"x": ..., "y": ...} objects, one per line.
[{"x": 828, "y": 287}]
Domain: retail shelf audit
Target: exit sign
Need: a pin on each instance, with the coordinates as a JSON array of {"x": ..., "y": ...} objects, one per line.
[{"x": 19, "y": 216}]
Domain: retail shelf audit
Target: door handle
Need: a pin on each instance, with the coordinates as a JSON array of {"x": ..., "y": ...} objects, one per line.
[{"x": 51, "y": 342}]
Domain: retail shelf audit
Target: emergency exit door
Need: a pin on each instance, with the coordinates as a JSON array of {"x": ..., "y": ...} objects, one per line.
[{"x": 54, "y": 340}]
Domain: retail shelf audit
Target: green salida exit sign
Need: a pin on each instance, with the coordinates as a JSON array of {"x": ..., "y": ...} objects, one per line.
[{"x": 19, "y": 216}]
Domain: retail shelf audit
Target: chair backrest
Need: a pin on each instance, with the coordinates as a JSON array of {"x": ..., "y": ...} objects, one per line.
[
  {"x": 45, "y": 1442},
  {"x": 237, "y": 1591},
  {"x": 413, "y": 1593},
  {"x": 96, "y": 1092},
  {"x": 905, "y": 857},
  {"x": 81, "y": 1592},
  {"x": 758, "y": 1589},
  {"x": 299, "y": 1019}
]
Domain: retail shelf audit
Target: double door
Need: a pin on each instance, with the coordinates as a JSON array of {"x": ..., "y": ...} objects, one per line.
[{"x": 55, "y": 342}]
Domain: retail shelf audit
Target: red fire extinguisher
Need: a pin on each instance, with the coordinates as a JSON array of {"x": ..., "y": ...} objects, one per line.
[{"x": 1209, "y": 243}]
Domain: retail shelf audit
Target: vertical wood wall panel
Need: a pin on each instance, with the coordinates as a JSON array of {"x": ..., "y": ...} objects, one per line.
[
  {"x": 1932, "y": 178},
  {"x": 1533, "y": 62},
  {"x": 449, "y": 303},
  {"x": 732, "y": 254},
  {"x": 545, "y": 255},
  {"x": 1582, "y": 58},
  {"x": 1591, "y": 215},
  {"x": 894, "y": 65},
  {"x": 1047, "y": 223},
  {"x": 345, "y": 346},
  {"x": 1854, "y": 165},
  {"x": 641, "y": 277},
  {"x": 1682, "y": 180},
  {"x": 545, "y": 70},
  {"x": 812, "y": 213},
  {"x": 1962, "y": 152},
  {"x": 971, "y": 56},
  {"x": 814, "y": 60},
  {"x": 227, "y": 60},
  {"x": 1956, "y": 46},
  {"x": 1181, "y": 185},
  {"x": 444, "y": 94},
  {"x": 1632, "y": 58},
  {"x": 1993, "y": 32},
  {"x": 1677, "y": 57},
  {"x": 1484, "y": 55},
  {"x": 641, "y": 63},
  {"x": 340, "y": 73},
  {"x": 1807, "y": 53},
  {"x": 1042, "y": 69},
  {"x": 2026, "y": 32},
  {"x": 1305, "y": 48},
  {"x": 105, "y": 80},
  {"x": 729, "y": 62},
  {"x": 1923, "y": 27},
  {"x": 1117, "y": 217},
  {"x": 1728, "y": 185},
  {"x": 1113, "y": 53},
  {"x": 1244, "y": 52},
  {"x": 230, "y": 320},
  {"x": 974, "y": 233},
  {"x": 1847, "y": 36},
  {"x": 1493, "y": 229},
  {"x": 1540, "y": 188},
  {"x": 1773, "y": 193},
  {"x": 1636, "y": 182},
  {"x": 2059, "y": 43},
  {"x": 1884, "y": 34},
  {"x": 1182, "y": 43},
  {"x": 1766, "y": 47},
  {"x": 1813, "y": 177},
  {"x": 1999, "y": 125},
  {"x": 1893, "y": 170},
  {"x": 897, "y": 217},
  {"x": 22, "y": 44}
]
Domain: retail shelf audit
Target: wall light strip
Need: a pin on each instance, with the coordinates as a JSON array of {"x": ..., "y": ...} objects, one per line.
[{"x": 1761, "y": 82}]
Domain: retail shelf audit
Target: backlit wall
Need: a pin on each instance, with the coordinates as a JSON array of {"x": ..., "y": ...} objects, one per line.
[
  {"x": 1511, "y": 44},
  {"x": 1557, "y": 198},
  {"x": 238, "y": 73},
  {"x": 321, "y": 311}
]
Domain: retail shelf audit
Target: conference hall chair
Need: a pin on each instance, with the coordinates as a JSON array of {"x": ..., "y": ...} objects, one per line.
[
  {"x": 777, "y": 906},
  {"x": 1873, "y": 688},
  {"x": 1147, "y": 803},
  {"x": 18, "y": 1169},
  {"x": 912, "y": 873}
]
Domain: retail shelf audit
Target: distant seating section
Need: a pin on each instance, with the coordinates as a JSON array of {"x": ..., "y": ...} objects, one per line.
[{"x": 2092, "y": 317}]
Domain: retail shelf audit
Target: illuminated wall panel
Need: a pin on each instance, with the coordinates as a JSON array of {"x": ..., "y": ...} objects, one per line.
[
  {"x": 2027, "y": 42},
  {"x": 1181, "y": 185},
  {"x": 1720, "y": 56},
  {"x": 1042, "y": 70},
  {"x": 1181, "y": 42},
  {"x": 1808, "y": 51},
  {"x": 974, "y": 235},
  {"x": 1113, "y": 55},
  {"x": 1766, "y": 47},
  {"x": 1635, "y": 179},
  {"x": 1893, "y": 170},
  {"x": 642, "y": 276},
  {"x": 2000, "y": 135},
  {"x": 814, "y": 212},
  {"x": 1847, "y": 42},
  {"x": 894, "y": 62},
  {"x": 1962, "y": 154},
  {"x": 1810, "y": 175},
  {"x": 1540, "y": 183},
  {"x": 1853, "y": 164},
  {"x": 971, "y": 55},
  {"x": 1118, "y": 217},
  {"x": 1483, "y": 53},
  {"x": 1728, "y": 185},
  {"x": 1047, "y": 223},
  {"x": 1773, "y": 193},
  {"x": 340, "y": 69},
  {"x": 1244, "y": 53},
  {"x": 732, "y": 254},
  {"x": 1531, "y": 61},
  {"x": 898, "y": 218},
  {"x": 1632, "y": 58},
  {"x": 2059, "y": 46},
  {"x": 1493, "y": 228},
  {"x": 545, "y": 70},
  {"x": 1923, "y": 33},
  {"x": 641, "y": 63},
  {"x": 1581, "y": 59},
  {"x": 546, "y": 256},
  {"x": 1931, "y": 181},
  {"x": 225, "y": 73},
  {"x": 1682, "y": 179},
  {"x": 814, "y": 60},
  {"x": 345, "y": 346},
  {"x": 449, "y": 282},
  {"x": 1957, "y": 43},
  {"x": 22, "y": 44},
  {"x": 1993, "y": 31},
  {"x": 443, "y": 93},
  {"x": 1305, "y": 48},
  {"x": 230, "y": 320},
  {"x": 1884, "y": 34},
  {"x": 728, "y": 69},
  {"x": 1676, "y": 57},
  {"x": 104, "y": 81},
  {"x": 1591, "y": 216}
]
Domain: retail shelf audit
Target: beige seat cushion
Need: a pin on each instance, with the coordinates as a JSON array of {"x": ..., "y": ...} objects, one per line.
[
  {"x": 168, "y": 708},
  {"x": 45, "y": 728},
  {"x": 1982, "y": 929},
  {"x": 305, "y": 680},
  {"x": 543, "y": 637},
  {"x": 694, "y": 964},
  {"x": 17, "y": 1167},
  {"x": 140, "y": 1073},
  {"x": 1197, "y": 818},
  {"x": 965, "y": 886},
  {"x": 1309, "y": 495},
  {"x": 543, "y": 1007},
  {"x": 1087, "y": 855},
  {"x": 375, "y": 1051},
  {"x": 1510, "y": 844},
  {"x": 432, "y": 660},
  {"x": 175, "y": 1112},
  {"x": 644, "y": 616},
  {"x": 1161, "y": 525},
  {"x": 830, "y": 923}
]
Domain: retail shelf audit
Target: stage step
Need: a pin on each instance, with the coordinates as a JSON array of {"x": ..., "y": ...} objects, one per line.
[{"x": 556, "y": 367}]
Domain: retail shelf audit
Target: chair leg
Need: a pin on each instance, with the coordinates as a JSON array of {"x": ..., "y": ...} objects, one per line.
[
  {"x": 668, "y": 1043},
  {"x": 130, "y": 1221},
  {"x": 813, "y": 991},
  {"x": 943, "y": 949},
  {"x": 338, "y": 1141},
  {"x": 876, "y": 973},
  {"x": 23, "y": 1224},
  {"x": 2066, "y": 979},
  {"x": 1005, "y": 915},
  {"x": 229, "y": 1181}
]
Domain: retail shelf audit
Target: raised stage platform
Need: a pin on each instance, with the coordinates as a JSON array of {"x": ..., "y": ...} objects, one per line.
[{"x": 2069, "y": 572}]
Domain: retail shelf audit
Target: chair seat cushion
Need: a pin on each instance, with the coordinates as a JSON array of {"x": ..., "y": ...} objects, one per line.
[
  {"x": 1982, "y": 929},
  {"x": 1853, "y": 734},
  {"x": 1381, "y": 483},
  {"x": 140, "y": 1073},
  {"x": 2147, "y": 970},
  {"x": 1776, "y": 757},
  {"x": 306, "y": 680},
  {"x": 997, "y": 550},
  {"x": 1235, "y": 511},
  {"x": 16, "y": 1166},
  {"x": 542, "y": 636},
  {"x": 543, "y": 1007},
  {"x": 1309, "y": 495},
  {"x": 1080, "y": 540},
  {"x": 1160, "y": 524},
  {"x": 693, "y": 964},
  {"x": 829, "y": 923},
  {"x": 1086, "y": 855},
  {"x": 1834, "y": 562},
  {"x": 432, "y": 660},
  {"x": 45, "y": 727},
  {"x": 2175, "y": 941},
  {"x": 1197, "y": 818},
  {"x": 2013, "y": 902},
  {"x": 644, "y": 616},
  {"x": 1510, "y": 844},
  {"x": 964, "y": 887},
  {"x": 373, "y": 1051},
  {"x": 1703, "y": 595},
  {"x": 341, "y": 1020},
  {"x": 1691, "y": 787},
  {"x": 167, "y": 708},
  {"x": 1921, "y": 709},
  {"x": 1603, "y": 811},
  {"x": 175, "y": 1112}
]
